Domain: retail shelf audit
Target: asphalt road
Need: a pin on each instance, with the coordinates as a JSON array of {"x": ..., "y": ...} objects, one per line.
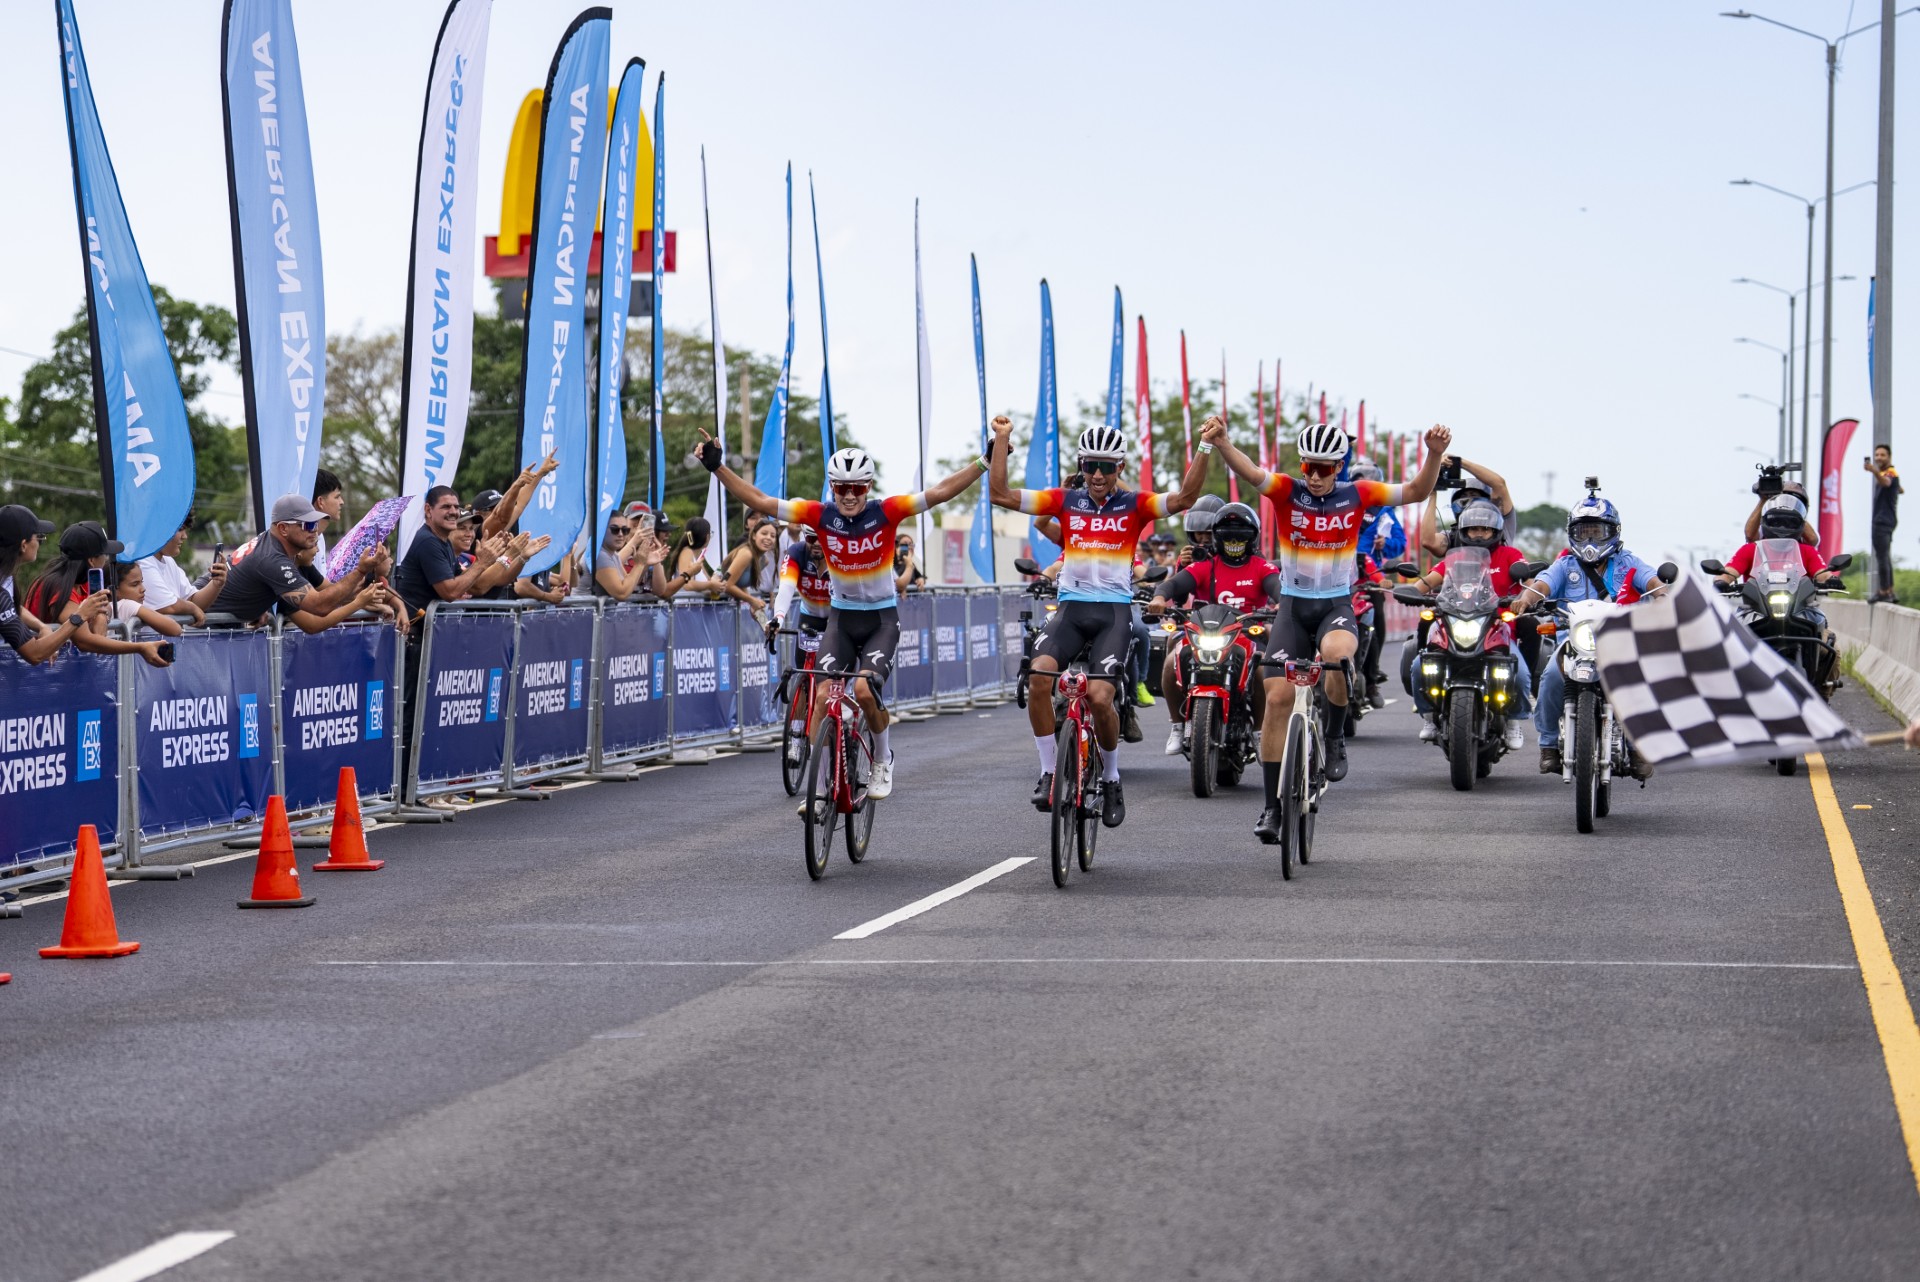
[{"x": 611, "y": 1035}]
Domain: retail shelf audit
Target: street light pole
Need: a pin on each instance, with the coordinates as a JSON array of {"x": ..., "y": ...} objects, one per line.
[
  {"x": 1883, "y": 243},
  {"x": 1783, "y": 439}
]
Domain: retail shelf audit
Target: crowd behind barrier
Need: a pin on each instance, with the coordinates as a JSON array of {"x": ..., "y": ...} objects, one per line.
[{"x": 508, "y": 693}]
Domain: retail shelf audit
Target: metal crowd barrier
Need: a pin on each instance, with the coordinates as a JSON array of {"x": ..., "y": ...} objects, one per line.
[{"x": 497, "y": 695}]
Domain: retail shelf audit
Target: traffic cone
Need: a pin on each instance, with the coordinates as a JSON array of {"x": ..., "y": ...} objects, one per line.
[
  {"x": 89, "y": 930},
  {"x": 276, "y": 881},
  {"x": 347, "y": 849}
]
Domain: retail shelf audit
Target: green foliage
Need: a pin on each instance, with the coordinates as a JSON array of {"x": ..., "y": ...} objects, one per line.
[
  {"x": 1906, "y": 583},
  {"x": 1543, "y": 531},
  {"x": 49, "y": 455}
]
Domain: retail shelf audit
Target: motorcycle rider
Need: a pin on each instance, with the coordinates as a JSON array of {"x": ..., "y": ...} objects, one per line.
[
  {"x": 1783, "y": 516},
  {"x": 1235, "y": 576},
  {"x": 1383, "y": 539},
  {"x": 1596, "y": 568},
  {"x": 1101, "y": 524},
  {"x": 1481, "y": 526},
  {"x": 1319, "y": 518}
]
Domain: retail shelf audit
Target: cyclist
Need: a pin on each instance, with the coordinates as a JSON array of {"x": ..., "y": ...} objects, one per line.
[
  {"x": 1319, "y": 519},
  {"x": 1101, "y": 525},
  {"x": 803, "y": 575},
  {"x": 1481, "y": 525},
  {"x": 856, "y": 531},
  {"x": 1596, "y": 568},
  {"x": 1234, "y": 576}
]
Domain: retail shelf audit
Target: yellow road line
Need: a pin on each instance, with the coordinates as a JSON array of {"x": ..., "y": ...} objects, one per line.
[{"x": 1886, "y": 992}]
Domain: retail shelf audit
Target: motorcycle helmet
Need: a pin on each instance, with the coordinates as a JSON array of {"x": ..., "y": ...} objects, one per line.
[
  {"x": 1236, "y": 532},
  {"x": 1593, "y": 529},
  {"x": 1322, "y": 442},
  {"x": 1480, "y": 526},
  {"x": 1782, "y": 517},
  {"x": 1365, "y": 470},
  {"x": 1199, "y": 518},
  {"x": 1471, "y": 492}
]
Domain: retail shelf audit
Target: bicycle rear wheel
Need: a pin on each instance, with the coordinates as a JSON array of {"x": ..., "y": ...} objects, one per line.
[
  {"x": 794, "y": 748},
  {"x": 1087, "y": 831},
  {"x": 860, "y": 822},
  {"x": 821, "y": 813},
  {"x": 1066, "y": 799},
  {"x": 1291, "y": 755}
]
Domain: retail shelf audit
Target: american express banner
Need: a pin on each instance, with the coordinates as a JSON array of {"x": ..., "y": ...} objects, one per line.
[
  {"x": 59, "y": 752},
  {"x": 616, "y": 284}
]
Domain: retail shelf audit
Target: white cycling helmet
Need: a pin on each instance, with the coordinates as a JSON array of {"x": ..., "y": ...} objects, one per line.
[
  {"x": 1322, "y": 442},
  {"x": 850, "y": 465},
  {"x": 1102, "y": 442}
]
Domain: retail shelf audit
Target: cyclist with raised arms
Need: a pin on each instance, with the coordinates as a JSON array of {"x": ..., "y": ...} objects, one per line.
[
  {"x": 1319, "y": 517},
  {"x": 856, "y": 532},
  {"x": 1100, "y": 527}
]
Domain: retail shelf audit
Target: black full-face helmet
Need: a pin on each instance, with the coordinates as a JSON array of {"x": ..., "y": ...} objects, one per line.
[{"x": 1236, "y": 532}]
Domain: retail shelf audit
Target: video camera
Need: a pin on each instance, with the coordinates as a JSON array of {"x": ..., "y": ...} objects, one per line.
[{"x": 1772, "y": 478}]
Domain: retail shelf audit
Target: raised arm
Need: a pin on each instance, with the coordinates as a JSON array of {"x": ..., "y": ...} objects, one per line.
[
  {"x": 1496, "y": 484},
  {"x": 1417, "y": 490},
  {"x": 998, "y": 449},
  {"x": 739, "y": 487},
  {"x": 952, "y": 487},
  {"x": 1214, "y": 432},
  {"x": 1192, "y": 483}
]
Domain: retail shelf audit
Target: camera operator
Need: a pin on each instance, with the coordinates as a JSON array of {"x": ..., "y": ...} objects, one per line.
[{"x": 1771, "y": 483}]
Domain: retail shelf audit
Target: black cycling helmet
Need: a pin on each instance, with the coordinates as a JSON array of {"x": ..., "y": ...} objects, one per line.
[{"x": 1236, "y": 532}]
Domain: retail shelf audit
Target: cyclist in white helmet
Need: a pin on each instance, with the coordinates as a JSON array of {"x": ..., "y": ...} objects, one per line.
[
  {"x": 1319, "y": 518},
  {"x": 1100, "y": 526},
  {"x": 856, "y": 533}
]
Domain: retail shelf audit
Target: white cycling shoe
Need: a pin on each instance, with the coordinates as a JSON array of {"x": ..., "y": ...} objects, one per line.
[
  {"x": 881, "y": 785},
  {"x": 1516, "y": 736},
  {"x": 1176, "y": 739}
]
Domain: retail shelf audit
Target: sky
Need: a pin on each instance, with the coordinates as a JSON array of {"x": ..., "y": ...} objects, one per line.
[{"x": 1511, "y": 218}]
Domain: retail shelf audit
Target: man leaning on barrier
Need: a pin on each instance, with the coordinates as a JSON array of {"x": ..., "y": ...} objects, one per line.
[
  {"x": 270, "y": 575},
  {"x": 430, "y": 571}
]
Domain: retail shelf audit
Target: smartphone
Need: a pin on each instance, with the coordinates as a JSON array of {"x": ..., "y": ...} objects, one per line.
[
  {"x": 166, "y": 651},
  {"x": 1449, "y": 473},
  {"x": 96, "y": 580},
  {"x": 219, "y": 553}
]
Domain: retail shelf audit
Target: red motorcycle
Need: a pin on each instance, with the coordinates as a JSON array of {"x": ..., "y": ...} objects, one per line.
[{"x": 1217, "y": 661}]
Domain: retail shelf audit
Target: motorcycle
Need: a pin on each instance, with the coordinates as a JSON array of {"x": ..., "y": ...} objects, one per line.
[
  {"x": 1594, "y": 748},
  {"x": 1777, "y": 603},
  {"x": 1217, "y": 668},
  {"x": 1466, "y": 676}
]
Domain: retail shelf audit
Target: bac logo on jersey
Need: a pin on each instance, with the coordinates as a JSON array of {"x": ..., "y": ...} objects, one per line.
[
  {"x": 1103, "y": 524},
  {"x": 1323, "y": 524},
  {"x": 869, "y": 544}
]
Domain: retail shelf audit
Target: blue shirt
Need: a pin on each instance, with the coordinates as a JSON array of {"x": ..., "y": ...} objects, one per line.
[
  {"x": 1566, "y": 580},
  {"x": 1396, "y": 545}
]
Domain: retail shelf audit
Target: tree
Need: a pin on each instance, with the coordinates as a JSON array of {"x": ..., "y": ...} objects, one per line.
[
  {"x": 1543, "y": 531},
  {"x": 49, "y": 452},
  {"x": 362, "y": 435}
]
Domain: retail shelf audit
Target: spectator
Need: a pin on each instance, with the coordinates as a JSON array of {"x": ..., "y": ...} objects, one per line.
[
  {"x": 1886, "y": 504},
  {"x": 754, "y": 565},
  {"x": 271, "y": 576},
  {"x": 60, "y": 593},
  {"x": 430, "y": 571},
  {"x": 20, "y": 535},
  {"x": 906, "y": 575},
  {"x": 130, "y": 602},
  {"x": 618, "y": 567},
  {"x": 1486, "y": 484},
  {"x": 169, "y": 590},
  {"x": 331, "y": 500},
  {"x": 504, "y": 509},
  {"x": 686, "y": 568}
]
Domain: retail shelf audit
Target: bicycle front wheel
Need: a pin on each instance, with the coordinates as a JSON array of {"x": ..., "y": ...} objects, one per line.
[
  {"x": 794, "y": 749},
  {"x": 1087, "y": 834},
  {"x": 1066, "y": 799},
  {"x": 821, "y": 813},
  {"x": 1291, "y": 762}
]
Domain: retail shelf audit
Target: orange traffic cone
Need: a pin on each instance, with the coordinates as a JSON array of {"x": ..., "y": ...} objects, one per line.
[
  {"x": 89, "y": 930},
  {"x": 276, "y": 882},
  {"x": 347, "y": 849}
]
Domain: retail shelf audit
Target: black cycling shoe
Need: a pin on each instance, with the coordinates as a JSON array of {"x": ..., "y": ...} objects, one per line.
[
  {"x": 1336, "y": 758},
  {"x": 1130, "y": 725},
  {"x": 1043, "y": 793},
  {"x": 1113, "y": 806},
  {"x": 1268, "y": 829}
]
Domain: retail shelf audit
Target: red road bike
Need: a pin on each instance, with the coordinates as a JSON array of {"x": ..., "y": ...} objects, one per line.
[{"x": 841, "y": 763}]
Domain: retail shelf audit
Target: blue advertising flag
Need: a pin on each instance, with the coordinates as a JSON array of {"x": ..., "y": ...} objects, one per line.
[
  {"x": 1114, "y": 390},
  {"x": 980, "y": 545},
  {"x": 657, "y": 456},
  {"x": 276, "y": 249},
  {"x": 146, "y": 452},
  {"x": 554, "y": 419},
  {"x": 1043, "y": 452},
  {"x": 616, "y": 285},
  {"x": 827, "y": 441},
  {"x": 770, "y": 474}
]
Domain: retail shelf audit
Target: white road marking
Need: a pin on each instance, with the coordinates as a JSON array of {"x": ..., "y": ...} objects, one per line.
[
  {"x": 934, "y": 900},
  {"x": 1138, "y": 961},
  {"x": 158, "y": 1258}
]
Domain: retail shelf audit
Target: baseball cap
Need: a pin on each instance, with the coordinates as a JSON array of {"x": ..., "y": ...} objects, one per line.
[
  {"x": 291, "y": 507},
  {"x": 485, "y": 501},
  {"x": 18, "y": 524},
  {"x": 637, "y": 507},
  {"x": 85, "y": 540}
]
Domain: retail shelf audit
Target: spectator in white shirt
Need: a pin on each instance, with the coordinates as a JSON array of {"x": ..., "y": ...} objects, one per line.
[
  {"x": 330, "y": 499},
  {"x": 169, "y": 590}
]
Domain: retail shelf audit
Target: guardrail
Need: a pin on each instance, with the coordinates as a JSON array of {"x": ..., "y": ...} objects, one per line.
[
  {"x": 497, "y": 695},
  {"x": 1883, "y": 644}
]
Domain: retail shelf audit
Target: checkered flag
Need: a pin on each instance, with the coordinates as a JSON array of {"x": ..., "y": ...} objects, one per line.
[{"x": 1692, "y": 686}]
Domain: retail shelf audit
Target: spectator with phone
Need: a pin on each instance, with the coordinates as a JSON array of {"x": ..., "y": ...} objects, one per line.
[
  {"x": 619, "y": 567},
  {"x": 170, "y": 591},
  {"x": 1886, "y": 515},
  {"x": 71, "y": 585},
  {"x": 270, "y": 577},
  {"x": 21, "y": 533},
  {"x": 1487, "y": 485}
]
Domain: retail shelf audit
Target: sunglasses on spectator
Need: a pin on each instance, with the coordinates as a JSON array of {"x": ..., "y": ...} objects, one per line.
[
  {"x": 849, "y": 489},
  {"x": 308, "y": 526},
  {"x": 1311, "y": 467},
  {"x": 619, "y": 531},
  {"x": 1104, "y": 466}
]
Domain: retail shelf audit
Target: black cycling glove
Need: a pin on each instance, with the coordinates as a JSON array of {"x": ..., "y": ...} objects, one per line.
[{"x": 710, "y": 455}]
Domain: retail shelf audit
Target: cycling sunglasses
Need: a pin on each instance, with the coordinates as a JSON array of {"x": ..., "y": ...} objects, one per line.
[
  {"x": 1313, "y": 467},
  {"x": 1104, "y": 466},
  {"x": 849, "y": 489}
]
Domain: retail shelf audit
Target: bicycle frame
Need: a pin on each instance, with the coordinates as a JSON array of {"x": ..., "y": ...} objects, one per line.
[{"x": 842, "y": 708}]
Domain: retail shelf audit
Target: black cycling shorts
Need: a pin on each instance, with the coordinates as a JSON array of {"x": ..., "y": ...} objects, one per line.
[
  {"x": 1302, "y": 624},
  {"x": 860, "y": 641},
  {"x": 1100, "y": 628}
]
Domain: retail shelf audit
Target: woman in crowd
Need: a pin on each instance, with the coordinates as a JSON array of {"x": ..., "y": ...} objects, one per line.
[
  {"x": 61, "y": 590},
  {"x": 755, "y": 565},
  {"x": 685, "y": 568}
]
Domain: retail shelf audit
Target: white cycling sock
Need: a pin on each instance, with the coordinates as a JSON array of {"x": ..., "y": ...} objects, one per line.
[
  {"x": 1110, "y": 764},
  {"x": 882, "y": 749},
  {"x": 1049, "y": 752}
]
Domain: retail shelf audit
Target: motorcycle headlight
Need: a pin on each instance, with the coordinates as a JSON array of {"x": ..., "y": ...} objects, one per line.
[
  {"x": 1210, "y": 646},
  {"x": 1778, "y": 603},
  {"x": 1466, "y": 633},
  {"x": 1583, "y": 637}
]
